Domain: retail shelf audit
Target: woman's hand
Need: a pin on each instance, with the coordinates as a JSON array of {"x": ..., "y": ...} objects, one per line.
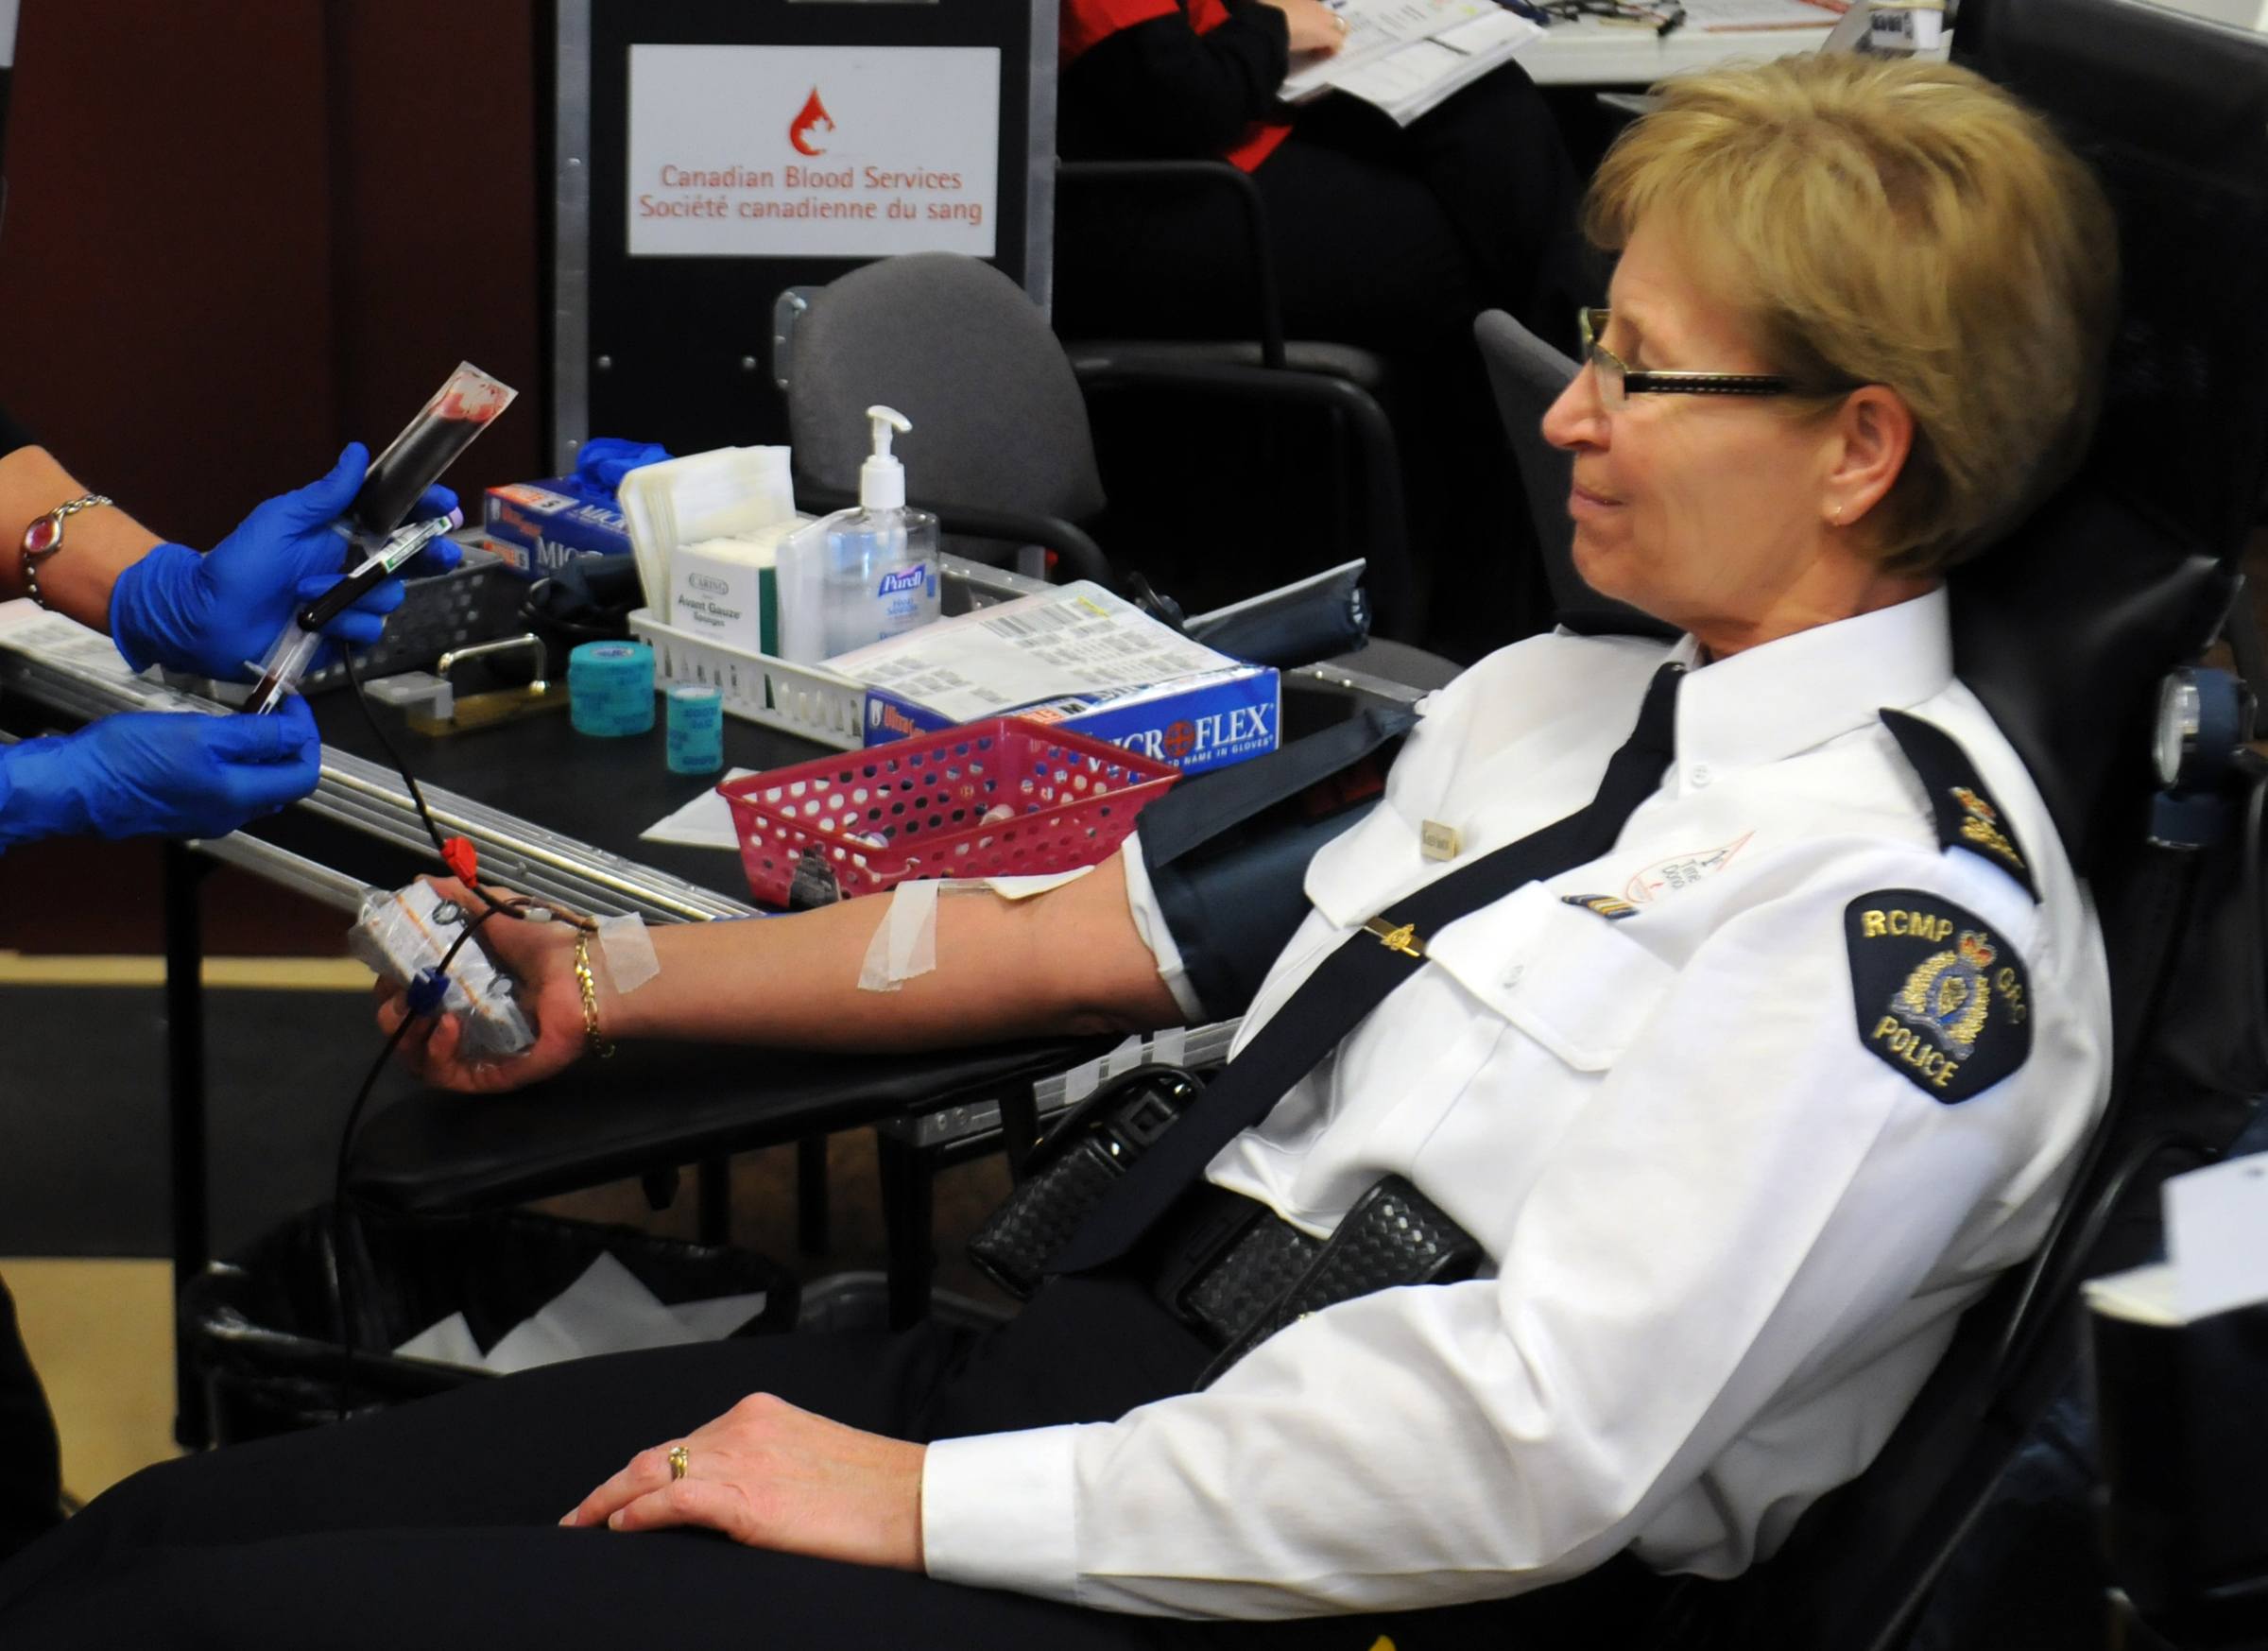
[
  {"x": 769, "y": 1475},
  {"x": 1315, "y": 28},
  {"x": 154, "y": 771},
  {"x": 542, "y": 957}
]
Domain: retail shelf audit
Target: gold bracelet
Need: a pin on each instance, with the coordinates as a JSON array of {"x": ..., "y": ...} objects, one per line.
[{"x": 600, "y": 1046}]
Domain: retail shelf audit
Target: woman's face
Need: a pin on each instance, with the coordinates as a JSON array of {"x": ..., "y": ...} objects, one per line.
[{"x": 1707, "y": 511}]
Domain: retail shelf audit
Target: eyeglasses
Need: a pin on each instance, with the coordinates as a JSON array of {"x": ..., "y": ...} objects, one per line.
[{"x": 1618, "y": 383}]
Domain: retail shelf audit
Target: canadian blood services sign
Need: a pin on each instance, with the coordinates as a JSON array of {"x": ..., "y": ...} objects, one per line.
[{"x": 813, "y": 151}]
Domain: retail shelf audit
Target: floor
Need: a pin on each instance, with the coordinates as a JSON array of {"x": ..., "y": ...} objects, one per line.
[{"x": 99, "y": 1329}]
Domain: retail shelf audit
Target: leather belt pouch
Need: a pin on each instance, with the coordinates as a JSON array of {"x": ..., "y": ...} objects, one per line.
[
  {"x": 1072, "y": 1166},
  {"x": 1392, "y": 1235}
]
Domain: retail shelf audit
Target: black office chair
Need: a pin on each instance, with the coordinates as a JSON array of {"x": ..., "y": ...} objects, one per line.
[
  {"x": 2065, "y": 632},
  {"x": 1002, "y": 447},
  {"x": 1527, "y": 375}
]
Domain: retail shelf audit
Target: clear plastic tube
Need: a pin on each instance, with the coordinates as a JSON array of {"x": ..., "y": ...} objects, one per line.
[
  {"x": 429, "y": 443},
  {"x": 286, "y": 660}
]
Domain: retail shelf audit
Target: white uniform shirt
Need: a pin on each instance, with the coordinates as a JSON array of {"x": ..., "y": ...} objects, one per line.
[{"x": 1729, "y": 1241}]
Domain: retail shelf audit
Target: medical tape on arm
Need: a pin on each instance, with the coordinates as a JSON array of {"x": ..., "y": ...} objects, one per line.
[
  {"x": 628, "y": 951},
  {"x": 906, "y": 941}
]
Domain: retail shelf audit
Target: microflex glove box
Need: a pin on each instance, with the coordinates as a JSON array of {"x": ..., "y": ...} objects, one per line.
[
  {"x": 1078, "y": 655},
  {"x": 1195, "y": 723},
  {"x": 539, "y": 528}
]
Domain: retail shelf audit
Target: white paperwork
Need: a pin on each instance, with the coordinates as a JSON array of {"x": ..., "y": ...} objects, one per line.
[
  {"x": 1074, "y": 639},
  {"x": 1741, "y": 16},
  {"x": 2216, "y": 1223},
  {"x": 1406, "y": 57},
  {"x": 706, "y": 822},
  {"x": 2217, "y": 1235},
  {"x": 605, "y": 1311}
]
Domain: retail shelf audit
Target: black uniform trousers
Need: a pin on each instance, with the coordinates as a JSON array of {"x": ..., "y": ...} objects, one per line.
[
  {"x": 434, "y": 1526},
  {"x": 30, "y": 1460}
]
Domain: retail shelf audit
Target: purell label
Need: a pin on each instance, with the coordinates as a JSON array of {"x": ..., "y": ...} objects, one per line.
[{"x": 906, "y": 578}]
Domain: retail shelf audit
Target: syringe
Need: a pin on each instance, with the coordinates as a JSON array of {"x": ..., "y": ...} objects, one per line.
[{"x": 286, "y": 658}]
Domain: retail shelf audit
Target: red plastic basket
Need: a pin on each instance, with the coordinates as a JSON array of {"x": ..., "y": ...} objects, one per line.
[{"x": 916, "y": 807}]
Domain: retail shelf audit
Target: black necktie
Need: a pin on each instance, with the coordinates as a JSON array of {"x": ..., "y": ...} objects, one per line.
[{"x": 1352, "y": 981}]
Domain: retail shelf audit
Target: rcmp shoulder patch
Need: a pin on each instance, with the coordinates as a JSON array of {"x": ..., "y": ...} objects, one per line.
[
  {"x": 1941, "y": 998},
  {"x": 1966, "y": 813}
]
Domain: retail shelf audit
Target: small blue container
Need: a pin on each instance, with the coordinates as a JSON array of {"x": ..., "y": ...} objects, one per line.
[
  {"x": 611, "y": 688},
  {"x": 697, "y": 728}
]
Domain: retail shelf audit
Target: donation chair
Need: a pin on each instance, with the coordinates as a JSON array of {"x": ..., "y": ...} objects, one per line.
[
  {"x": 1002, "y": 447},
  {"x": 1527, "y": 375},
  {"x": 2065, "y": 630}
]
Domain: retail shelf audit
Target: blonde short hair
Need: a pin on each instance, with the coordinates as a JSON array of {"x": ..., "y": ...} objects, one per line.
[{"x": 1898, "y": 223}]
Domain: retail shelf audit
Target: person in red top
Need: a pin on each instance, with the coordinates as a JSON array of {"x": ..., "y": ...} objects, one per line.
[{"x": 1384, "y": 235}]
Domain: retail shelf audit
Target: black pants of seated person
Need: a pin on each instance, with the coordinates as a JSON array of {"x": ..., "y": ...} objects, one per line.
[
  {"x": 30, "y": 1479},
  {"x": 433, "y": 1526}
]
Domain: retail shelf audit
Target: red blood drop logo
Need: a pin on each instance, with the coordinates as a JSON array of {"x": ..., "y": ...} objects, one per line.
[
  {"x": 1180, "y": 739},
  {"x": 813, "y": 116}
]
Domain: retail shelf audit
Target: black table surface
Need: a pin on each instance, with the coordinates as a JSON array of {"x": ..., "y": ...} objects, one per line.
[{"x": 605, "y": 792}]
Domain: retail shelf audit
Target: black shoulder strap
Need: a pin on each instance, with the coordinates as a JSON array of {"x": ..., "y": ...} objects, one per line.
[{"x": 1967, "y": 816}]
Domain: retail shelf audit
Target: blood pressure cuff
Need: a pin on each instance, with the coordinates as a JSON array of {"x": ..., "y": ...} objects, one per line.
[{"x": 1227, "y": 854}]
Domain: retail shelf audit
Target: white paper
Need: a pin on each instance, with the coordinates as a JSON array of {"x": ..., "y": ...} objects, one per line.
[
  {"x": 719, "y": 1316},
  {"x": 1406, "y": 57},
  {"x": 1077, "y": 638},
  {"x": 450, "y": 1342},
  {"x": 706, "y": 822},
  {"x": 1721, "y": 15},
  {"x": 2217, "y": 1234},
  {"x": 1374, "y": 29},
  {"x": 606, "y": 1311}
]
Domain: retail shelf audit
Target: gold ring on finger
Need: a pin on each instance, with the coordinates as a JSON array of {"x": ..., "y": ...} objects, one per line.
[{"x": 679, "y": 1458}]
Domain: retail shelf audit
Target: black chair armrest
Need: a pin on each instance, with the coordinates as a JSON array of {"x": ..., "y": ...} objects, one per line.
[
  {"x": 1219, "y": 175},
  {"x": 656, "y": 1106}
]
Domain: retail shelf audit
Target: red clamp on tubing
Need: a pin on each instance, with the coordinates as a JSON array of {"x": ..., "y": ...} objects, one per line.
[{"x": 463, "y": 860}]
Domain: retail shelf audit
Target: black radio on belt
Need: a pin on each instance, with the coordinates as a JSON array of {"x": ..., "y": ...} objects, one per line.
[
  {"x": 1074, "y": 1163},
  {"x": 1231, "y": 1269}
]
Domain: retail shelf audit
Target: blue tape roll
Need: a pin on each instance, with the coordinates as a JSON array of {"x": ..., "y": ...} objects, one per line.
[
  {"x": 697, "y": 728},
  {"x": 611, "y": 688}
]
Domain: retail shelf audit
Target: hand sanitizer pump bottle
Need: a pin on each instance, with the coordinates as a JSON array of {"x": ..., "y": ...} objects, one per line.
[{"x": 860, "y": 576}]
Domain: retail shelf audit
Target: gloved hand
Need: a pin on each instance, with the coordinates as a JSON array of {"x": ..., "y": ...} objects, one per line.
[
  {"x": 216, "y": 615},
  {"x": 157, "y": 772}
]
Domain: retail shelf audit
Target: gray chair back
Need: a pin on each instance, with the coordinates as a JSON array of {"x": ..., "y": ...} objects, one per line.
[
  {"x": 1527, "y": 375},
  {"x": 957, "y": 348}
]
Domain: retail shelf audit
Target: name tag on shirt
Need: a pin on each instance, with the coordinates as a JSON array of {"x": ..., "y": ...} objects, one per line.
[{"x": 1439, "y": 842}]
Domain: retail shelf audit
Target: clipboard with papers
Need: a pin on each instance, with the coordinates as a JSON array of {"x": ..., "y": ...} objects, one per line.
[{"x": 1407, "y": 57}]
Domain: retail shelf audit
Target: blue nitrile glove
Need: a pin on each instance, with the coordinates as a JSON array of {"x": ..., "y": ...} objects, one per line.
[
  {"x": 158, "y": 772},
  {"x": 604, "y": 460},
  {"x": 216, "y": 615}
]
